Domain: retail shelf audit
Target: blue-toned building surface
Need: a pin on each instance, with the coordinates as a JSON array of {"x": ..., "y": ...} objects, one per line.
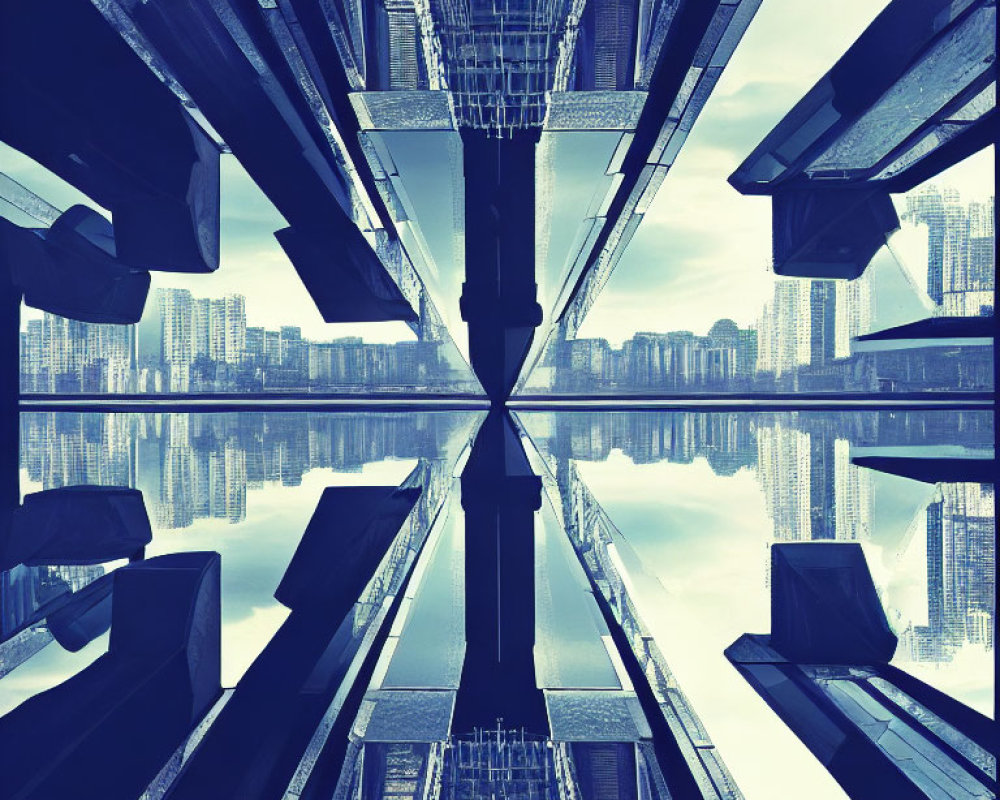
[{"x": 450, "y": 539}]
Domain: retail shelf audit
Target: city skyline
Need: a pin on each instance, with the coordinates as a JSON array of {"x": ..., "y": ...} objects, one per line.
[
  {"x": 735, "y": 273},
  {"x": 732, "y": 269},
  {"x": 194, "y": 467},
  {"x": 802, "y": 338},
  {"x": 193, "y": 343}
]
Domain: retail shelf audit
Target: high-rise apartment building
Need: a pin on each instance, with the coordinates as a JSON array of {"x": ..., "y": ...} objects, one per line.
[
  {"x": 785, "y": 325},
  {"x": 196, "y": 327},
  {"x": 217, "y": 329},
  {"x": 234, "y": 308},
  {"x": 201, "y": 320},
  {"x": 961, "y": 561},
  {"x": 177, "y": 315},
  {"x": 927, "y": 207},
  {"x": 272, "y": 347},
  {"x": 61, "y": 355},
  {"x": 254, "y": 348},
  {"x": 960, "y": 249},
  {"x": 291, "y": 346},
  {"x": 822, "y": 322},
  {"x": 784, "y": 472},
  {"x": 854, "y": 312}
]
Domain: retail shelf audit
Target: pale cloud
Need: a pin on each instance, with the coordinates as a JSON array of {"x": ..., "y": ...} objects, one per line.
[
  {"x": 255, "y": 554},
  {"x": 703, "y": 250},
  {"x": 967, "y": 677},
  {"x": 243, "y": 640},
  {"x": 47, "y": 669},
  {"x": 793, "y": 44},
  {"x": 252, "y": 262},
  {"x": 710, "y": 559},
  {"x": 701, "y": 253}
]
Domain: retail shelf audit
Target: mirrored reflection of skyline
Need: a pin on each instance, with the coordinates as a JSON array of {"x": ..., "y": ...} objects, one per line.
[
  {"x": 196, "y": 472},
  {"x": 198, "y": 466},
  {"x": 201, "y": 466},
  {"x": 676, "y": 511},
  {"x": 934, "y": 542},
  {"x": 186, "y": 344}
]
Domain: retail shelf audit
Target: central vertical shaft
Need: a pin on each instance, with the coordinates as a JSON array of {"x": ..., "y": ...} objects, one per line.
[
  {"x": 500, "y": 496},
  {"x": 499, "y": 295}
]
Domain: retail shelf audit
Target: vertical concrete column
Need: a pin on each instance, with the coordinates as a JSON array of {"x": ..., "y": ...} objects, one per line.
[
  {"x": 500, "y": 496},
  {"x": 499, "y": 295}
]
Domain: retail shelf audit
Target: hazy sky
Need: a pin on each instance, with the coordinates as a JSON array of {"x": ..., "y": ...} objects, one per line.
[
  {"x": 252, "y": 263},
  {"x": 255, "y": 554},
  {"x": 701, "y": 253},
  {"x": 711, "y": 559},
  {"x": 703, "y": 249}
]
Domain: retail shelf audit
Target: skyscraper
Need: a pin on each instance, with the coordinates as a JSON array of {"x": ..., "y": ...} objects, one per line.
[
  {"x": 783, "y": 458},
  {"x": 822, "y": 485},
  {"x": 272, "y": 347},
  {"x": 747, "y": 351},
  {"x": 191, "y": 328},
  {"x": 254, "y": 350},
  {"x": 854, "y": 310},
  {"x": 822, "y": 322},
  {"x": 785, "y": 342},
  {"x": 201, "y": 320},
  {"x": 960, "y": 564},
  {"x": 235, "y": 328},
  {"x": 149, "y": 336},
  {"x": 291, "y": 346},
  {"x": 177, "y": 312},
  {"x": 34, "y": 359},
  {"x": 854, "y": 493},
  {"x": 217, "y": 329},
  {"x": 61, "y": 355},
  {"x": 927, "y": 207},
  {"x": 960, "y": 249},
  {"x": 981, "y": 256}
]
